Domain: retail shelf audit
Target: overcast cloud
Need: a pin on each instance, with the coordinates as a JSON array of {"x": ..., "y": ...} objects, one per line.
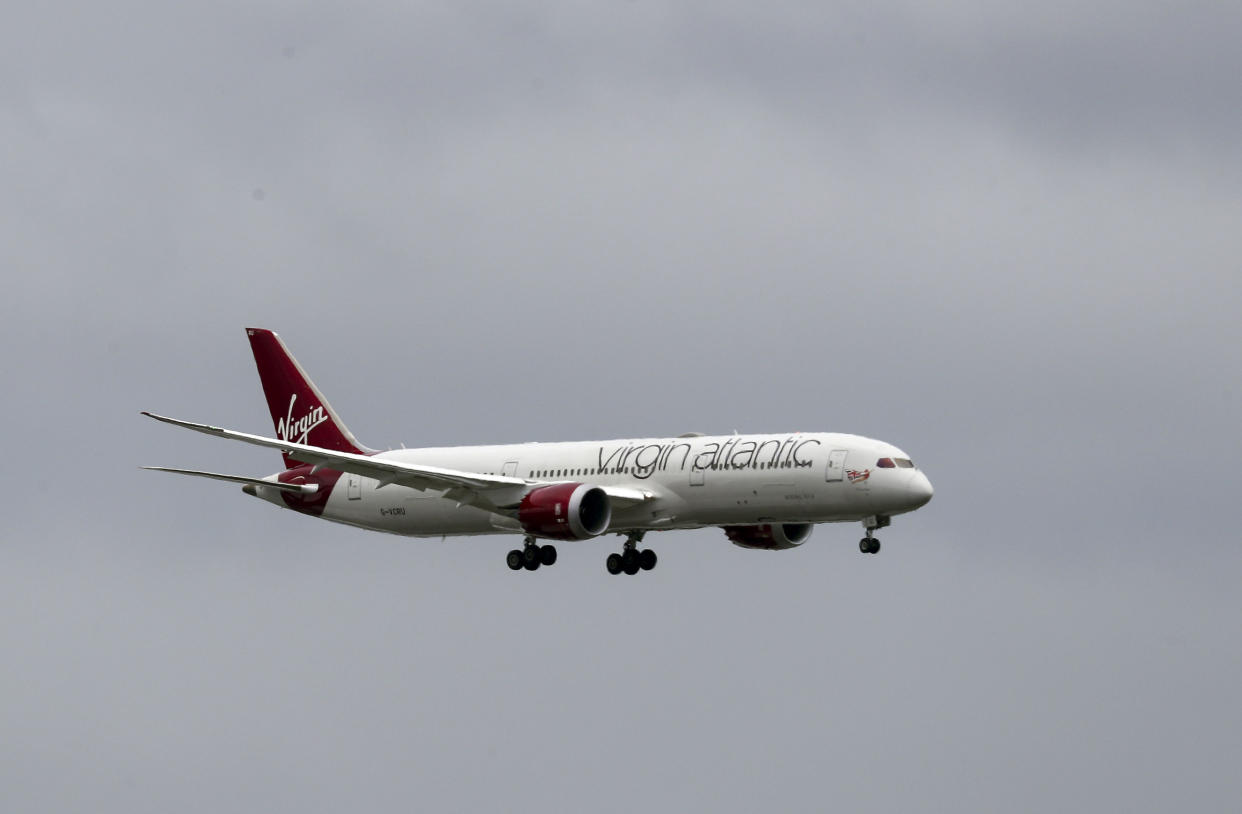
[{"x": 1002, "y": 236}]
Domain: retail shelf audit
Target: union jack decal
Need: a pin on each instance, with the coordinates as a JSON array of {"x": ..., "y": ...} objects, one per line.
[{"x": 857, "y": 476}]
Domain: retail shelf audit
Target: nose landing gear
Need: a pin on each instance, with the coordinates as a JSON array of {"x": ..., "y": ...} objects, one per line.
[
  {"x": 869, "y": 544},
  {"x": 631, "y": 560},
  {"x": 531, "y": 556}
]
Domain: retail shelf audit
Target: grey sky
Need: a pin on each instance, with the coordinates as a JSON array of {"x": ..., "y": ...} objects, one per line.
[{"x": 1003, "y": 237}]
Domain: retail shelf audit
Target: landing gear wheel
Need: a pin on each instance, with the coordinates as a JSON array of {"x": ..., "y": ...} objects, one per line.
[
  {"x": 613, "y": 564},
  {"x": 514, "y": 560},
  {"x": 875, "y": 546},
  {"x": 869, "y": 545},
  {"x": 530, "y": 556},
  {"x": 547, "y": 555},
  {"x": 646, "y": 559},
  {"x": 531, "y": 566},
  {"x": 630, "y": 561}
]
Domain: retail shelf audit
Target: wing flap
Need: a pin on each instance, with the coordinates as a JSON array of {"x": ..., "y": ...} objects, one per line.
[{"x": 625, "y": 496}]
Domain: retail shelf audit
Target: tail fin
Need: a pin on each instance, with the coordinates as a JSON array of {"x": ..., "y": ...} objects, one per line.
[{"x": 299, "y": 410}]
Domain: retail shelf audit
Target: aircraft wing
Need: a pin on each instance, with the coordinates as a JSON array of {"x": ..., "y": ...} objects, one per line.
[{"x": 488, "y": 492}]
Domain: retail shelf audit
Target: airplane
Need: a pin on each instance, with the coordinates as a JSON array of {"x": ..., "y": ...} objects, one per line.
[{"x": 764, "y": 491}]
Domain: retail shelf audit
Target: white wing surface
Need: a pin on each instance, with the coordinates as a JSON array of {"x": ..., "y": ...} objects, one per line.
[{"x": 489, "y": 492}]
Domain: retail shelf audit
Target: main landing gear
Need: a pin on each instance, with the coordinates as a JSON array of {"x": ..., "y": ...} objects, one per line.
[
  {"x": 531, "y": 556},
  {"x": 869, "y": 544},
  {"x": 631, "y": 560}
]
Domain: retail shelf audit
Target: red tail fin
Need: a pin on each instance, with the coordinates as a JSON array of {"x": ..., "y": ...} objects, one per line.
[{"x": 299, "y": 410}]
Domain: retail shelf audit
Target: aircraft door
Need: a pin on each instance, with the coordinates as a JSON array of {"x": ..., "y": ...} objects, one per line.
[
  {"x": 696, "y": 476},
  {"x": 836, "y": 465},
  {"x": 353, "y": 486},
  {"x": 509, "y": 470}
]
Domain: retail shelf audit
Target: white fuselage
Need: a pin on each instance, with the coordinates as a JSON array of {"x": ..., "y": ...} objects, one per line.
[{"x": 691, "y": 481}]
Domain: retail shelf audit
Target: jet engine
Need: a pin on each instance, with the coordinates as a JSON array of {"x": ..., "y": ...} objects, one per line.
[
  {"x": 565, "y": 511},
  {"x": 770, "y": 537}
]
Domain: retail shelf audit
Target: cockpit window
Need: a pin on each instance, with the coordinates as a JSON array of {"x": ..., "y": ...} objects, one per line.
[
  {"x": 885, "y": 463},
  {"x": 904, "y": 463}
]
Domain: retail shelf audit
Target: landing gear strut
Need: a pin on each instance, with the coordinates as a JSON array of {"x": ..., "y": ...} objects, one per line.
[
  {"x": 531, "y": 556},
  {"x": 631, "y": 560}
]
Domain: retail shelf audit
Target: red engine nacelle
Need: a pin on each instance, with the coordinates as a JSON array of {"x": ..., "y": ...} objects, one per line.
[
  {"x": 565, "y": 511},
  {"x": 770, "y": 537}
]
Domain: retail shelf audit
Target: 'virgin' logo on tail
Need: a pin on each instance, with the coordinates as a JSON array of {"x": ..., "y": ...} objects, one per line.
[{"x": 287, "y": 429}]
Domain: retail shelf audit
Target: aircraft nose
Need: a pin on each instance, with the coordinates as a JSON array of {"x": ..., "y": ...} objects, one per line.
[{"x": 921, "y": 490}]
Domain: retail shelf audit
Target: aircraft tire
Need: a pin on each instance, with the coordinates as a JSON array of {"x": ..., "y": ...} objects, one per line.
[
  {"x": 613, "y": 563},
  {"x": 514, "y": 560},
  {"x": 547, "y": 555},
  {"x": 532, "y": 565},
  {"x": 864, "y": 545},
  {"x": 875, "y": 546},
  {"x": 647, "y": 559},
  {"x": 530, "y": 554}
]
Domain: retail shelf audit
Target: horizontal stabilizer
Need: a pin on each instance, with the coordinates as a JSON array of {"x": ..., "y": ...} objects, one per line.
[{"x": 298, "y": 488}]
